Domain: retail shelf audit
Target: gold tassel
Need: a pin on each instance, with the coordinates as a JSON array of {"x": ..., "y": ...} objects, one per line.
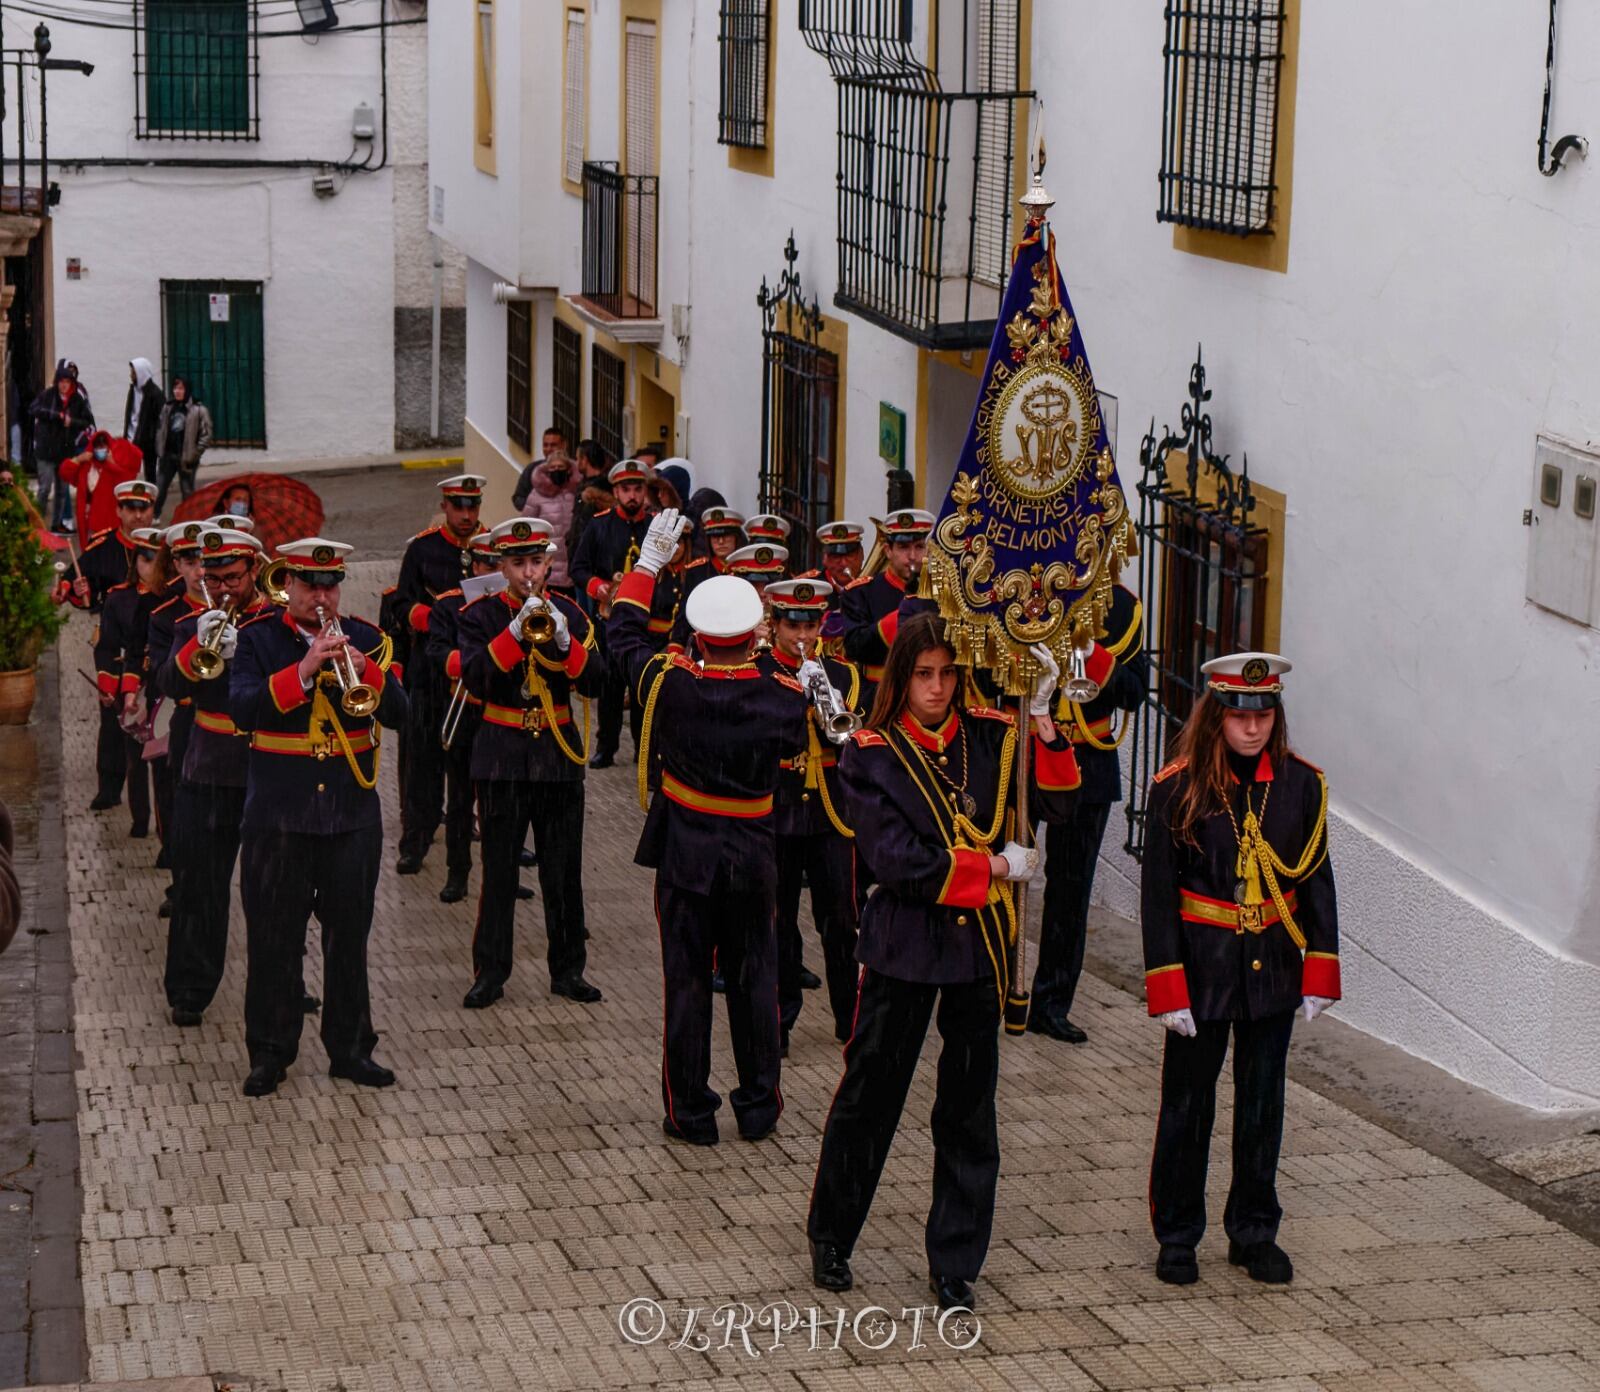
[{"x": 1249, "y": 867}]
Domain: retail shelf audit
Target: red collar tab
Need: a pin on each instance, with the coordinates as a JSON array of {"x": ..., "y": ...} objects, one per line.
[
  {"x": 895, "y": 582},
  {"x": 127, "y": 540},
  {"x": 1263, "y": 773},
  {"x": 784, "y": 660},
  {"x": 460, "y": 543},
  {"x": 935, "y": 740},
  {"x": 742, "y": 671}
]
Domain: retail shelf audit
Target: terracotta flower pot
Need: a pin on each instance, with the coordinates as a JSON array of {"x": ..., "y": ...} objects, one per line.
[{"x": 16, "y": 696}]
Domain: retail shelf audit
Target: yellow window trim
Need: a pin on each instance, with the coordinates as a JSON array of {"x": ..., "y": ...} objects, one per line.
[
  {"x": 762, "y": 161},
  {"x": 580, "y": 7}
]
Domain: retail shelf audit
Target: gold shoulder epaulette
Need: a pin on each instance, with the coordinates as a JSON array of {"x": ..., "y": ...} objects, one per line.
[
  {"x": 867, "y": 739},
  {"x": 679, "y": 660},
  {"x": 426, "y": 531},
  {"x": 246, "y": 620},
  {"x": 1176, "y": 766},
  {"x": 447, "y": 594},
  {"x": 1300, "y": 759},
  {"x": 860, "y": 580},
  {"x": 1005, "y": 717}
]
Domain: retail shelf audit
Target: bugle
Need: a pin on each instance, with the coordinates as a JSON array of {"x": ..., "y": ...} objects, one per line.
[
  {"x": 358, "y": 698},
  {"x": 208, "y": 661},
  {"x": 839, "y": 722},
  {"x": 1078, "y": 686},
  {"x": 273, "y": 581}
]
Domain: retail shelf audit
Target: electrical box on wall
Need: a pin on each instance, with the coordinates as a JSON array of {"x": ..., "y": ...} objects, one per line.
[{"x": 1563, "y": 529}]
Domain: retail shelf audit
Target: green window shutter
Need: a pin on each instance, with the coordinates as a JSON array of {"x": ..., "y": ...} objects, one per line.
[
  {"x": 224, "y": 360},
  {"x": 199, "y": 61}
]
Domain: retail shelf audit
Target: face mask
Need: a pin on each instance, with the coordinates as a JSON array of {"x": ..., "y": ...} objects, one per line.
[
  {"x": 238, "y": 509},
  {"x": 557, "y": 475},
  {"x": 101, "y": 454}
]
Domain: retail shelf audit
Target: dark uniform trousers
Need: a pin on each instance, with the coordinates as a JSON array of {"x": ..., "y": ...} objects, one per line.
[
  {"x": 138, "y": 780},
  {"x": 827, "y": 863},
  {"x": 734, "y": 922},
  {"x": 285, "y": 878},
  {"x": 1189, "y": 1072},
  {"x": 422, "y": 761},
  {"x": 880, "y": 1061},
  {"x": 163, "y": 793},
  {"x": 459, "y": 791},
  {"x": 613, "y": 691},
  {"x": 554, "y": 810},
  {"x": 205, "y": 842},
  {"x": 111, "y": 756},
  {"x": 1072, "y": 850}
]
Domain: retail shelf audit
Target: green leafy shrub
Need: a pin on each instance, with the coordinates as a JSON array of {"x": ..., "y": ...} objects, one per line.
[{"x": 29, "y": 620}]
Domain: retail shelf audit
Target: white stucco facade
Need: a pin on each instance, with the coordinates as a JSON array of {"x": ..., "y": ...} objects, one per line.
[
  {"x": 334, "y": 270},
  {"x": 1437, "y": 310}
]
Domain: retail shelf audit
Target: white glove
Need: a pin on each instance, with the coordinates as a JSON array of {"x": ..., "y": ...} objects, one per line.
[
  {"x": 1021, "y": 861},
  {"x": 1179, "y": 1022},
  {"x": 206, "y": 629},
  {"x": 530, "y": 606},
  {"x": 560, "y": 629},
  {"x": 1314, "y": 1005},
  {"x": 661, "y": 541},
  {"x": 811, "y": 672},
  {"x": 1044, "y": 689}
]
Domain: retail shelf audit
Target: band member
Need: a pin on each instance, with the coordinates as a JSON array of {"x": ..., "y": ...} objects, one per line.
[
  {"x": 435, "y": 561},
  {"x": 1241, "y": 929},
  {"x": 767, "y": 527},
  {"x": 927, "y": 788},
  {"x": 870, "y": 606},
  {"x": 606, "y": 552},
  {"x": 723, "y": 530},
  {"x": 119, "y": 644},
  {"x": 842, "y": 561},
  {"x": 309, "y": 687},
  {"x": 106, "y": 558},
  {"x": 673, "y": 584},
  {"x": 463, "y": 713},
  {"x": 208, "y": 801},
  {"x": 720, "y": 728},
  {"x": 1072, "y": 845},
  {"x": 815, "y": 845},
  {"x": 525, "y": 654}
]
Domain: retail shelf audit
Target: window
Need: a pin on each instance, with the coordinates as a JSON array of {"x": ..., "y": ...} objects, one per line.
[
  {"x": 196, "y": 67},
  {"x": 742, "y": 103},
  {"x": 608, "y": 392},
  {"x": 998, "y": 68},
  {"x": 483, "y": 75},
  {"x": 566, "y": 394},
  {"x": 1224, "y": 61},
  {"x": 639, "y": 160},
  {"x": 212, "y": 337},
  {"x": 519, "y": 373},
  {"x": 575, "y": 106}
]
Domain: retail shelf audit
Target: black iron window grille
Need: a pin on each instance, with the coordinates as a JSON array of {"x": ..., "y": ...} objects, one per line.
[
  {"x": 619, "y": 240},
  {"x": 1219, "y": 119},
  {"x": 860, "y": 37},
  {"x": 213, "y": 336},
  {"x": 742, "y": 38},
  {"x": 197, "y": 70},
  {"x": 566, "y": 380},
  {"x": 519, "y": 373},
  {"x": 1203, "y": 577},
  {"x": 24, "y": 162},
  {"x": 799, "y": 413},
  {"x": 608, "y": 396}
]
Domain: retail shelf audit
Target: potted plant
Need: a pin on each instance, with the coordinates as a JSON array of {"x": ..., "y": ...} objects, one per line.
[{"x": 29, "y": 618}]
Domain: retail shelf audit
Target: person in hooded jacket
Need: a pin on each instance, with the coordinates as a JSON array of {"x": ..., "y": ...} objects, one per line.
[
  {"x": 60, "y": 414},
  {"x": 141, "y": 417},
  {"x": 183, "y": 434},
  {"x": 552, "y": 495},
  {"x": 93, "y": 476}
]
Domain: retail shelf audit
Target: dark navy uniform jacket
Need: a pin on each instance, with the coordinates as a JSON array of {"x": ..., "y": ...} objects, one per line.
[
  {"x": 104, "y": 564},
  {"x": 1196, "y": 953},
  {"x": 216, "y": 752},
  {"x": 808, "y": 779},
  {"x": 603, "y": 548},
  {"x": 719, "y": 733},
  {"x": 300, "y": 780},
  {"x": 432, "y": 566},
  {"x": 870, "y": 610},
  {"x": 119, "y": 641},
  {"x": 1120, "y": 665},
  {"x": 523, "y": 740},
  {"x": 158, "y": 644}
]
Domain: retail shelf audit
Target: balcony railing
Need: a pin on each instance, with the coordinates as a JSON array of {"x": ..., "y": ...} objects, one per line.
[{"x": 620, "y": 223}]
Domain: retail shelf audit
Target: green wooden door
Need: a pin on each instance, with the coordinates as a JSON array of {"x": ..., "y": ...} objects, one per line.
[{"x": 218, "y": 347}]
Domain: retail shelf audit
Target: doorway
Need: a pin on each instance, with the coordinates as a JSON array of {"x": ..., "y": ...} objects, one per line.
[{"x": 656, "y": 417}]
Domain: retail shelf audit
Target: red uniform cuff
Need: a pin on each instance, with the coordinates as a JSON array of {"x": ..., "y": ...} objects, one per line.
[
  {"x": 1055, "y": 770},
  {"x": 505, "y": 650},
  {"x": 398, "y": 672},
  {"x": 419, "y": 617},
  {"x": 185, "y": 658},
  {"x": 967, "y": 884},
  {"x": 452, "y": 665},
  {"x": 888, "y": 626},
  {"x": 129, "y": 683},
  {"x": 107, "y": 682},
  {"x": 1166, "y": 989},
  {"x": 371, "y": 672},
  {"x": 1099, "y": 665},
  {"x": 284, "y": 684},
  {"x": 1321, "y": 975},
  {"x": 595, "y": 588},
  {"x": 637, "y": 587},
  {"x": 577, "y": 659}
]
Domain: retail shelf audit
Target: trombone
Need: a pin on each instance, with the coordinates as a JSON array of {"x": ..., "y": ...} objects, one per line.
[{"x": 358, "y": 698}]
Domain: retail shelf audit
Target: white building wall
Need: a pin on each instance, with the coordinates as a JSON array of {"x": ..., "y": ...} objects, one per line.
[{"x": 1439, "y": 309}]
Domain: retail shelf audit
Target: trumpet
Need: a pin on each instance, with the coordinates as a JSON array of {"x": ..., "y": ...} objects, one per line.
[
  {"x": 838, "y": 721},
  {"x": 1078, "y": 686},
  {"x": 358, "y": 698},
  {"x": 208, "y": 659},
  {"x": 538, "y": 626},
  {"x": 452, "y": 715}
]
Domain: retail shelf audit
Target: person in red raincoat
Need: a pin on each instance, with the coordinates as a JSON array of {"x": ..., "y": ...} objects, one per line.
[{"x": 94, "y": 475}]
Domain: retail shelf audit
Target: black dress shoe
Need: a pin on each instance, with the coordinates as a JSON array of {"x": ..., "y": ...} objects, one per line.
[
  {"x": 264, "y": 1078},
  {"x": 830, "y": 1267},
  {"x": 1263, "y": 1261},
  {"x": 102, "y": 803},
  {"x": 527, "y": 858},
  {"x": 162, "y": 861},
  {"x": 309, "y": 1004},
  {"x": 362, "y": 1071},
  {"x": 718, "y": 985},
  {"x": 483, "y": 994},
  {"x": 951, "y": 1292},
  {"x": 1176, "y": 1265},
  {"x": 1056, "y": 1026},
  {"x": 602, "y": 761},
  {"x": 760, "y": 1133},
  {"x": 576, "y": 988},
  {"x": 185, "y": 1019},
  {"x": 165, "y": 911},
  {"x": 455, "y": 887},
  {"x": 524, "y": 892},
  {"x": 408, "y": 865},
  {"x": 809, "y": 980},
  {"x": 138, "y": 831},
  {"x": 783, "y": 1043},
  {"x": 677, "y": 1133}
]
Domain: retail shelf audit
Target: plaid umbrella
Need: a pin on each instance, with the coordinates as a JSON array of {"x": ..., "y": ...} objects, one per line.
[{"x": 284, "y": 509}]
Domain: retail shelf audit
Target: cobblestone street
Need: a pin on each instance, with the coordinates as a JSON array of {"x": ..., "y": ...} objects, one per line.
[{"x": 483, "y": 1223}]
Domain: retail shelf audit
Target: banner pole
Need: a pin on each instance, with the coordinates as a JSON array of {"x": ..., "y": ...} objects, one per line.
[{"x": 1017, "y": 998}]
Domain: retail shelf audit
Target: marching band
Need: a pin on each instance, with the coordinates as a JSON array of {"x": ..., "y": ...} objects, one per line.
[{"x": 806, "y": 732}]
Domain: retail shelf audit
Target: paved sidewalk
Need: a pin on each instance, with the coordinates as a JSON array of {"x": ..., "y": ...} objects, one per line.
[{"x": 485, "y": 1223}]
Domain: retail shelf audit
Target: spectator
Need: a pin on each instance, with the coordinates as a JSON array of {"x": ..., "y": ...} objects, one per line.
[
  {"x": 238, "y": 501},
  {"x": 183, "y": 434},
  {"x": 60, "y": 415},
  {"x": 94, "y": 475},
  {"x": 651, "y": 454},
  {"x": 10, "y": 890},
  {"x": 554, "y": 442},
  {"x": 553, "y": 495},
  {"x": 676, "y": 472},
  {"x": 594, "y": 491},
  {"x": 142, "y": 417}
]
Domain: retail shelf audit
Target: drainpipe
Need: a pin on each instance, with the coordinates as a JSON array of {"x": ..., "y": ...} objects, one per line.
[{"x": 438, "y": 323}]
